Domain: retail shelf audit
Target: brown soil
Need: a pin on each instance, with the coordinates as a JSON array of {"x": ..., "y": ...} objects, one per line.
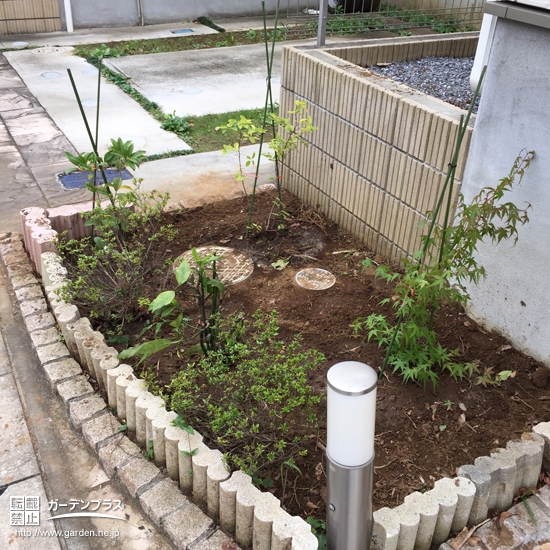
[{"x": 419, "y": 439}]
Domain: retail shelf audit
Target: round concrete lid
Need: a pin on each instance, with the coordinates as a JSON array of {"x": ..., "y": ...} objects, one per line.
[
  {"x": 233, "y": 268},
  {"x": 52, "y": 49},
  {"x": 315, "y": 278}
]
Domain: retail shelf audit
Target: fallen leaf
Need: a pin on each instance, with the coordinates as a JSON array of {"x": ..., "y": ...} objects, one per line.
[
  {"x": 460, "y": 540},
  {"x": 311, "y": 505},
  {"x": 503, "y": 516},
  {"x": 461, "y": 419},
  {"x": 462, "y": 407},
  {"x": 545, "y": 546},
  {"x": 474, "y": 541},
  {"x": 504, "y": 348}
]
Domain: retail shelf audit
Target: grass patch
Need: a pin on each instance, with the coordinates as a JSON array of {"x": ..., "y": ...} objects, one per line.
[
  {"x": 205, "y": 137},
  {"x": 180, "y": 43},
  {"x": 197, "y": 131}
]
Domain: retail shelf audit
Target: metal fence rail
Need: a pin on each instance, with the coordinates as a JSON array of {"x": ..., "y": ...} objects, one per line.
[{"x": 402, "y": 17}]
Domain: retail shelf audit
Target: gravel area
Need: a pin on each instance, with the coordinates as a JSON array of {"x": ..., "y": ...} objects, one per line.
[{"x": 447, "y": 78}]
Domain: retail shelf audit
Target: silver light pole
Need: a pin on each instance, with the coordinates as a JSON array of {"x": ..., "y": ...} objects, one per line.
[
  {"x": 322, "y": 28},
  {"x": 351, "y": 408}
]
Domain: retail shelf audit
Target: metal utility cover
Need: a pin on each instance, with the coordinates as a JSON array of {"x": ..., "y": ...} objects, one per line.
[
  {"x": 233, "y": 268},
  {"x": 77, "y": 180}
]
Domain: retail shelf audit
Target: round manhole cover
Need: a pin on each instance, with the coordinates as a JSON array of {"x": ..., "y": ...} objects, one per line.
[
  {"x": 315, "y": 278},
  {"x": 54, "y": 49},
  {"x": 234, "y": 267}
]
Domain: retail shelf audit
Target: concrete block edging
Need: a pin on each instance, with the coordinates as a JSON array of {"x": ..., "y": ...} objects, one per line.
[
  {"x": 191, "y": 466},
  {"x": 239, "y": 507}
]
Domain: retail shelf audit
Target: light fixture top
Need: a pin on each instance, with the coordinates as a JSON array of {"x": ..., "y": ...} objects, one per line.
[{"x": 352, "y": 378}]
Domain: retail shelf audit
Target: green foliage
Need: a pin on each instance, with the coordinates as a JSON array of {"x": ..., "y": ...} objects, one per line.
[
  {"x": 119, "y": 155},
  {"x": 149, "y": 454},
  {"x": 246, "y": 132},
  {"x": 209, "y": 23},
  {"x": 98, "y": 54},
  {"x": 489, "y": 378},
  {"x": 123, "y": 83},
  {"x": 110, "y": 272},
  {"x": 173, "y": 43},
  {"x": 319, "y": 529},
  {"x": 437, "y": 276},
  {"x": 292, "y": 132},
  {"x": 389, "y": 18},
  {"x": 168, "y": 312},
  {"x": 289, "y": 132},
  {"x": 249, "y": 395},
  {"x": 176, "y": 124}
]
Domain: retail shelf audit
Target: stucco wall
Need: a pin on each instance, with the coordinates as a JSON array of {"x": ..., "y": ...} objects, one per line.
[
  {"x": 104, "y": 13},
  {"x": 514, "y": 114}
]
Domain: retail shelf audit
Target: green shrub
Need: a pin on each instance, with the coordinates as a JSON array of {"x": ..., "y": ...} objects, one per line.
[
  {"x": 110, "y": 272},
  {"x": 250, "y": 398}
]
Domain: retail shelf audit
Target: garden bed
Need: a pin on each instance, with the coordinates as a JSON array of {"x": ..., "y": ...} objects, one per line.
[{"x": 422, "y": 434}]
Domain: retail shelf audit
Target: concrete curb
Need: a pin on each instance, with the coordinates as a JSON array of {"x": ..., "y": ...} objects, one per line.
[
  {"x": 427, "y": 519},
  {"x": 190, "y": 464}
]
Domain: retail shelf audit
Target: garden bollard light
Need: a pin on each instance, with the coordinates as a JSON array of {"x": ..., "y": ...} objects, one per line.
[{"x": 351, "y": 409}]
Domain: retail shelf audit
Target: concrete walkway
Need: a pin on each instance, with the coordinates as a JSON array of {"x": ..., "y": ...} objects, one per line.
[{"x": 41, "y": 456}]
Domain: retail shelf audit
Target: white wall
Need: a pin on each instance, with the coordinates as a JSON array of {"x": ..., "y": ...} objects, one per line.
[
  {"x": 514, "y": 114},
  {"x": 105, "y": 13}
]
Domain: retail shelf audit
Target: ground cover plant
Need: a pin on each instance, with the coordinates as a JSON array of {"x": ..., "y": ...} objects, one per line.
[{"x": 179, "y": 43}]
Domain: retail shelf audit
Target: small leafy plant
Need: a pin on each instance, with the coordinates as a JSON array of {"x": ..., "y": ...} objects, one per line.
[
  {"x": 319, "y": 529},
  {"x": 179, "y": 125},
  {"x": 438, "y": 275},
  {"x": 289, "y": 132},
  {"x": 109, "y": 271},
  {"x": 168, "y": 312},
  {"x": 249, "y": 395}
]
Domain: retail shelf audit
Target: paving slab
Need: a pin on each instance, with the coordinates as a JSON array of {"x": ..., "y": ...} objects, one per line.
[
  {"x": 193, "y": 180},
  {"x": 198, "y": 82},
  {"x": 44, "y": 71},
  {"x": 100, "y": 36},
  {"x": 22, "y": 537},
  {"x": 17, "y": 459}
]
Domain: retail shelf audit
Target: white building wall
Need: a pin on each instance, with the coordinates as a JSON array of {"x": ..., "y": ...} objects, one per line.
[{"x": 514, "y": 114}]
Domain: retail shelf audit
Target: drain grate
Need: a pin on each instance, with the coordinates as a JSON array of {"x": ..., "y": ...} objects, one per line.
[
  {"x": 77, "y": 180},
  {"x": 233, "y": 268},
  {"x": 182, "y": 31}
]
